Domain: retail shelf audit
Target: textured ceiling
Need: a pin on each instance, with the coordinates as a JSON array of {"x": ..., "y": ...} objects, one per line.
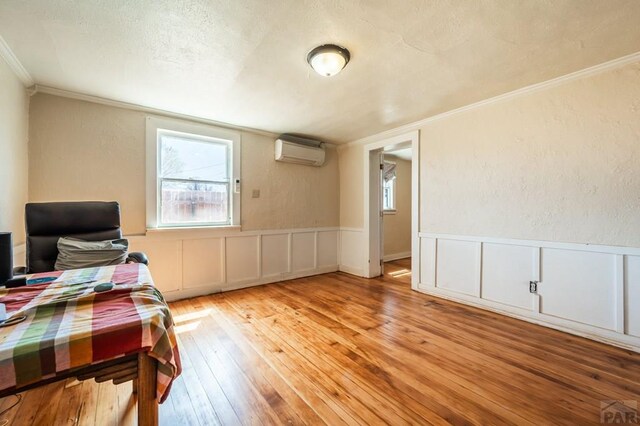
[{"x": 243, "y": 62}]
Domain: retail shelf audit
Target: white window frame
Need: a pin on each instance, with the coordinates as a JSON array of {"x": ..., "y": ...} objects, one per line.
[
  {"x": 153, "y": 126},
  {"x": 391, "y": 210}
]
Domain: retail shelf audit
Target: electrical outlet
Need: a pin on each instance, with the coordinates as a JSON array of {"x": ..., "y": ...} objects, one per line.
[
  {"x": 533, "y": 287},
  {"x": 255, "y": 193}
]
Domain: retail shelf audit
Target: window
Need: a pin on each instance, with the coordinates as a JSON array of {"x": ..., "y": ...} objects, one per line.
[
  {"x": 389, "y": 187},
  {"x": 194, "y": 179}
]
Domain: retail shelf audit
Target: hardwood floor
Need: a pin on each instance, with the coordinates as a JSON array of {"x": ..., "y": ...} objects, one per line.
[
  {"x": 398, "y": 270},
  {"x": 338, "y": 349}
]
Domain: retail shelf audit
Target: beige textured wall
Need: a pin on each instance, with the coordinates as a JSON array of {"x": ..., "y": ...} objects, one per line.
[
  {"x": 14, "y": 119},
  {"x": 562, "y": 164},
  {"x": 86, "y": 151},
  {"x": 397, "y": 226},
  {"x": 351, "y": 159},
  {"x": 291, "y": 195}
]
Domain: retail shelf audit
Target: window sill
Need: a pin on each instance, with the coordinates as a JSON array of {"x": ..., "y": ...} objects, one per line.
[
  {"x": 193, "y": 231},
  {"x": 389, "y": 212}
]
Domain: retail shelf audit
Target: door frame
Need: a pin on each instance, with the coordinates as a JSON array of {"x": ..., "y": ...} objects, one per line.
[{"x": 372, "y": 217}]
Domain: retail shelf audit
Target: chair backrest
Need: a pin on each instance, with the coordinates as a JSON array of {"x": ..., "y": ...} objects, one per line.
[{"x": 47, "y": 222}]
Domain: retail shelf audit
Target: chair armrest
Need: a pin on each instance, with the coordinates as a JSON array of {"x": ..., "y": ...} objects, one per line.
[
  {"x": 137, "y": 257},
  {"x": 20, "y": 270}
]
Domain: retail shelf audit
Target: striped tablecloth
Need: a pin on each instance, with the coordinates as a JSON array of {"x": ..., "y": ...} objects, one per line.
[{"x": 69, "y": 325}]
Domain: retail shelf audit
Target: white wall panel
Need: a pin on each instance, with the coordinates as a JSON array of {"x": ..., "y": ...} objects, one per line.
[
  {"x": 165, "y": 261},
  {"x": 632, "y": 272},
  {"x": 303, "y": 251},
  {"x": 275, "y": 254},
  {"x": 506, "y": 272},
  {"x": 203, "y": 262},
  {"x": 352, "y": 251},
  {"x": 428, "y": 260},
  {"x": 19, "y": 255},
  {"x": 327, "y": 248},
  {"x": 585, "y": 289},
  {"x": 191, "y": 262},
  {"x": 580, "y": 286},
  {"x": 242, "y": 259},
  {"x": 457, "y": 265}
]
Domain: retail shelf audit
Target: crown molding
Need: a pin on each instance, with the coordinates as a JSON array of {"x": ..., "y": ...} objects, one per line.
[
  {"x": 38, "y": 88},
  {"x": 586, "y": 72},
  {"x": 16, "y": 66},
  {"x": 23, "y": 75}
]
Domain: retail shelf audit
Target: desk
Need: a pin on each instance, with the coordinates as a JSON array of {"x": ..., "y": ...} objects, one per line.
[{"x": 123, "y": 334}]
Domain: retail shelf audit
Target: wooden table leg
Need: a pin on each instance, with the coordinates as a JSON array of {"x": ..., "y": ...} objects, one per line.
[{"x": 147, "y": 401}]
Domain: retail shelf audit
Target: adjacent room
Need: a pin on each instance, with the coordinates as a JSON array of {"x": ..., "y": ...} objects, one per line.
[
  {"x": 319, "y": 212},
  {"x": 396, "y": 208}
]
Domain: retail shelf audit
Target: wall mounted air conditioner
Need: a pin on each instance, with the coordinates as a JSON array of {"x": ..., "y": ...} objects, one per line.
[{"x": 299, "y": 150}]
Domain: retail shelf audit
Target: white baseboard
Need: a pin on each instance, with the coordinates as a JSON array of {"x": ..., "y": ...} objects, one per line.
[
  {"x": 216, "y": 288},
  {"x": 604, "y": 336},
  {"x": 352, "y": 270},
  {"x": 396, "y": 256}
]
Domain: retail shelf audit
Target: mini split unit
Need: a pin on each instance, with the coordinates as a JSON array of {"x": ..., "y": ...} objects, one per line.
[{"x": 299, "y": 150}]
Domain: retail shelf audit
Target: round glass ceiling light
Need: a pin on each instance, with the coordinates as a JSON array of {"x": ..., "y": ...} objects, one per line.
[{"x": 328, "y": 59}]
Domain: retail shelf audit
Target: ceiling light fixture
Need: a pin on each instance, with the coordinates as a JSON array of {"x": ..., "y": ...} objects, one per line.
[{"x": 328, "y": 59}]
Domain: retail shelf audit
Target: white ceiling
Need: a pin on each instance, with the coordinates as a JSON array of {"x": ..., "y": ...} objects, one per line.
[
  {"x": 243, "y": 62},
  {"x": 403, "y": 154}
]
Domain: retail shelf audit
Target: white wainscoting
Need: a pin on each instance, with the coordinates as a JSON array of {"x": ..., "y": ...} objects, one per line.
[
  {"x": 187, "y": 263},
  {"x": 352, "y": 251},
  {"x": 19, "y": 255},
  {"x": 632, "y": 294},
  {"x": 589, "y": 290}
]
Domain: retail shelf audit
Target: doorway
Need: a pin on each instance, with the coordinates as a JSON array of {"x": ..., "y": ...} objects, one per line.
[
  {"x": 380, "y": 184},
  {"x": 395, "y": 185}
]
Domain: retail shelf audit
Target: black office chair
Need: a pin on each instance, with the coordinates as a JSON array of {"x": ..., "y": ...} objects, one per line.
[{"x": 87, "y": 220}]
